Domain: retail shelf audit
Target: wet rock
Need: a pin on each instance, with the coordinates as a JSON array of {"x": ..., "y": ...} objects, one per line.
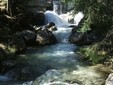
[
  {"x": 50, "y": 26},
  {"x": 45, "y": 37},
  {"x": 80, "y": 38},
  {"x": 28, "y": 36},
  {"x": 77, "y": 38},
  {"x": 109, "y": 80}
]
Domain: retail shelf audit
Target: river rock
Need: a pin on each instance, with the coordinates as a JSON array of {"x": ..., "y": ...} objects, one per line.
[
  {"x": 77, "y": 38},
  {"x": 45, "y": 37},
  {"x": 28, "y": 36},
  {"x": 80, "y": 38},
  {"x": 50, "y": 26},
  {"x": 17, "y": 43}
]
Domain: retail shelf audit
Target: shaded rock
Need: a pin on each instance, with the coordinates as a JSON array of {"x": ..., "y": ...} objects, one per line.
[
  {"x": 50, "y": 26},
  {"x": 4, "y": 34},
  {"x": 109, "y": 80},
  {"x": 35, "y": 18},
  {"x": 2, "y": 54},
  {"x": 20, "y": 73},
  {"x": 7, "y": 65},
  {"x": 77, "y": 38},
  {"x": 28, "y": 36},
  {"x": 45, "y": 37},
  {"x": 4, "y": 78},
  {"x": 17, "y": 43},
  {"x": 3, "y": 20},
  {"x": 25, "y": 74},
  {"x": 80, "y": 38},
  {"x": 26, "y": 21}
]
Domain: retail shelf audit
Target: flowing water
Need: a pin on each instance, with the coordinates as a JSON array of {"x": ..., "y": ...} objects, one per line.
[{"x": 59, "y": 64}]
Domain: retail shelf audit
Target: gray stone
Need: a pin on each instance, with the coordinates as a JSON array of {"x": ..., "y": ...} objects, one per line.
[{"x": 109, "y": 80}]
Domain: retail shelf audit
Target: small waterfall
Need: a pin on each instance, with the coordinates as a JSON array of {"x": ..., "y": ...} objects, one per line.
[
  {"x": 51, "y": 16},
  {"x": 56, "y": 7},
  {"x": 62, "y": 19},
  {"x": 61, "y": 60}
]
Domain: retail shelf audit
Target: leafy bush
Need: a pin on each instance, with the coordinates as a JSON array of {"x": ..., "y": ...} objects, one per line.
[
  {"x": 94, "y": 54},
  {"x": 97, "y": 12}
]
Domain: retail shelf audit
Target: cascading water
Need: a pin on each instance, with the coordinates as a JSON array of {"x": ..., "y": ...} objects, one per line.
[
  {"x": 51, "y": 16},
  {"x": 61, "y": 57},
  {"x": 61, "y": 60}
]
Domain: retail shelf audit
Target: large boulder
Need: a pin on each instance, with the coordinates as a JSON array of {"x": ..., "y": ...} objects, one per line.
[
  {"x": 34, "y": 18},
  {"x": 28, "y": 36},
  {"x": 80, "y": 38},
  {"x": 45, "y": 37},
  {"x": 17, "y": 43},
  {"x": 77, "y": 38}
]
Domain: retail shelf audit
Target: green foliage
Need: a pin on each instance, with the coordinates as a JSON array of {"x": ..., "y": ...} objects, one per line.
[
  {"x": 97, "y": 12},
  {"x": 94, "y": 54}
]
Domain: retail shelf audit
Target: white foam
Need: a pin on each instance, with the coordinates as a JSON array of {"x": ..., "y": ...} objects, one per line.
[
  {"x": 78, "y": 18},
  {"x": 51, "y": 16}
]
